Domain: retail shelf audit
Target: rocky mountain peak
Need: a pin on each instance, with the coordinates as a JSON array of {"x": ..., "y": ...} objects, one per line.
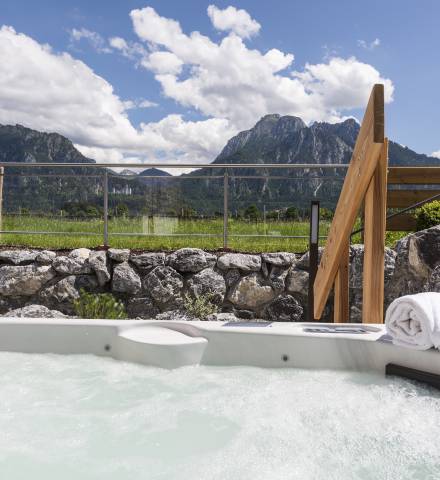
[
  {"x": 268, "y": 131},
  {"x": 22, "y": 144}
]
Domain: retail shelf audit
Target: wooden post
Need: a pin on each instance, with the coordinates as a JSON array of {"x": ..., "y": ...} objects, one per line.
[
  {"x": 360, "y": 171},
  {"x": 341, "y": 310},
  {"x": 313, "y": 256},
  {"x": 374, "y": 235}
]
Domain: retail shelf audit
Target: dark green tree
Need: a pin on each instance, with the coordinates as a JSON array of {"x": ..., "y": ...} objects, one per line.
[
  {"x": 291, "y": 213},
  {"x": 121, "y": 210},
  {"x": 252, "y": 212}
]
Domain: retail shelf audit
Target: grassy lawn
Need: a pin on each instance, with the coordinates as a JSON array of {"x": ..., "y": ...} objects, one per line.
[{"x": 165, "y": 233}]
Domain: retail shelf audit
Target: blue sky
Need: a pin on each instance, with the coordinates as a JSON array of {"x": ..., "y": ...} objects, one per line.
[{"x": 193, "y": 106}]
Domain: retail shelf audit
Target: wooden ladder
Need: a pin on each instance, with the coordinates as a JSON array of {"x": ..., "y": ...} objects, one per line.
[{"x": 365, "y": 184}]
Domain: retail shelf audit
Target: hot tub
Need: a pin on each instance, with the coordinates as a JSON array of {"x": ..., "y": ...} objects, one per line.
[{"x": 109, "y": 410}]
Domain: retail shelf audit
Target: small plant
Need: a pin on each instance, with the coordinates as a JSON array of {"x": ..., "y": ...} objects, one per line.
[
  {"x": 428, "y": 215},
  {"x": 201, "y": 306},
  {"x": 103, "y": 305}
]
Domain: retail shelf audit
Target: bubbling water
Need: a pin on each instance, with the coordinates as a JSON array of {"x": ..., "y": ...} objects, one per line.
[{"x": 83, "y": 418}]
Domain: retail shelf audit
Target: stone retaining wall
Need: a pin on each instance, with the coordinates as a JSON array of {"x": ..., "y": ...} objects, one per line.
[{"x": 272, "y": 286}]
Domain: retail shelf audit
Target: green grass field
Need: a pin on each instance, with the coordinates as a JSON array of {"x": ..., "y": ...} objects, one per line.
[{"x": 169, "y": 233}]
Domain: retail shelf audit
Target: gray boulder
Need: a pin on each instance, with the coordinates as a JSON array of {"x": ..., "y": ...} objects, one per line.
[
  {"x": 250, "y": 292},
  {"x": 165, "y": 285},
  {"x": 244, "y": 314},
  {"x": 232, "y": 277},
  {"x": 207, "y": 282},
  {"x": 119, "y": 254},
  {"x": 45, "y": 257},
  {"x": 240, "y": 261},
  {"x": 34, "y": 311},
  {"x": 417, "y": 255},
  {"x": 297, "y": 282},
  {"x": 99, "y": 264},
  {"x": 142, "y": 307},
  {"x": 303, "y": 262},
  {"x": 279, "y": 259},
  {"x": 125, "y": 279},
  {"x": 145, "y": 262},
  {"x": 190, "y": 260},
  {"x": 177, "y": 314},
  {"x": 284, "y": 309},
  {"x": 66, "y": 290},
  {"x": 433, "y": 283},
  {"x": 223, "y": 317},
  {"x": 76, "y": 263},
  {"x": 18, "y": 257},
  {"x": 277, "y": 277},
  {"x": 24, "y": 280}
]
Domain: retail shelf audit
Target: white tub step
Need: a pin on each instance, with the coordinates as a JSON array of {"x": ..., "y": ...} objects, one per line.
[{"x": 159, "y": 346}]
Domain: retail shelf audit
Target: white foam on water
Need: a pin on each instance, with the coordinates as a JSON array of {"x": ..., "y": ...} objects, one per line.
[{"x": 83, "y": 417}]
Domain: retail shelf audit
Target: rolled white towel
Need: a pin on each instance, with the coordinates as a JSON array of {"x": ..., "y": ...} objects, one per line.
[{"x": 414, "y": 321}]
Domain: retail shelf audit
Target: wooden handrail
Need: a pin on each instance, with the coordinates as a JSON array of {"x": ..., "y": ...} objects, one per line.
[
  {"x": 363, "y": 166},
  {"x": 414, "y": 175}
]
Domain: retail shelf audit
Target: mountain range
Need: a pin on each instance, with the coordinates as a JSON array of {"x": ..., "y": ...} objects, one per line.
[{"x": 274, "y": 139}]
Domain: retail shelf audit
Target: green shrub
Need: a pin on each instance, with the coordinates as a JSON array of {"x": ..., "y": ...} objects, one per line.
[
  {"x": 121, "y": 210},
  {"x": 292, "y": 213},
  {"x": 428, "y": 215},
  {"x": 201, "y": 306},
  {"x": 103, "y": 305},
  {"x": 326, "y": 214},
  {"x": 252, "y": 212}
]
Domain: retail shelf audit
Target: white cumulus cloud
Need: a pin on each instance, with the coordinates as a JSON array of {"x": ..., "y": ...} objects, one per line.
[
  {"x": 42, "y": 89},
  {"x": 229, "y": 85},
  {"x": 228, "y": 80},
  {"x": 234, "y": 20}
]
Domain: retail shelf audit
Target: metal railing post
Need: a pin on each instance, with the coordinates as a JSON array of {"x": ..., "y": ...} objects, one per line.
[
  {"x": 2, "y": 175},
  {"x": 105, "y": 208},
  {"x": 225, "y": 208},
  {"x": 313, "y": 257}
]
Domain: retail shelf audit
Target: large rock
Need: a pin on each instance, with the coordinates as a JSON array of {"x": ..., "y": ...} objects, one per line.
[
  {"x": 297, "y": 282},
  {"x": 279, "y": 259},
  {"x": 250, "y": 293},
  {"x": 99, "y": 264},
  {"x": 34, "y": 311},
  {"x": 18, "y": 257},
  {"x": 145, "y": 262},
  {"x": 284, "y": 309},
  {"x": 277, "y": 277},
  {"x": 303, "y": 262},
  {"x": 45, "y": 257},
  {"x": 240, "y": 261},
  {"x": 125, "y": 279},
  {"x": 165, "y": 285},
  {"x": 119, "y": 254},
  {"x": 207, "y": 282},
  {"x": 417, "y": 255},
  {"x": 24, "y": 280},
  {"x": 76, "y": 263},
  {"x": 142, "y": 307},
  {"x": 66, "y": 290},
  {"x": 433, "y": 283},
  {"x": 223, "y": 317},
  {"x": 190, "y": 260},
  {"x": 232, "y": 277}
]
